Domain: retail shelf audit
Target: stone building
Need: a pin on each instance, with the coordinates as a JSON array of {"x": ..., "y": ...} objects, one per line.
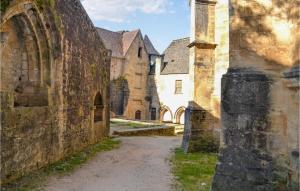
[
  {"x": 54, "y": 84},
  {"x": 209, "y": 57},
  {"x": 260, "y": 98},
  {"x": 154, "y": 57},
  {"x": 172, "y": 82},
  {"x": 129, "y": 73}
]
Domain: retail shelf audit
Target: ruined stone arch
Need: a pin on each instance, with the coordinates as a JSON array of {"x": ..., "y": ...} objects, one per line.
[
  {"x": 166, "y": 114},
  {"x": 30, "y": 43},
  {"x": 179, "y": 115}
]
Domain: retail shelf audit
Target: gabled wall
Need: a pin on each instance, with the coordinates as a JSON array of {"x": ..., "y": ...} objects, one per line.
[{"x": 136, "y": 73}]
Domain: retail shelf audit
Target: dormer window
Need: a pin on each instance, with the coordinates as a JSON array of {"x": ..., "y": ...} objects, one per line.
[{"x": 140, "y": 52}]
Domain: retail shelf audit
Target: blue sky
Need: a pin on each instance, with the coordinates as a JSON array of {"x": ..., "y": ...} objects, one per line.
[{"x": 162, "y": 20}]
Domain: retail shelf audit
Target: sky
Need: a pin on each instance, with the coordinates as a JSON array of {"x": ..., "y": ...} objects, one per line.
[{"x": 162, "y": 20}]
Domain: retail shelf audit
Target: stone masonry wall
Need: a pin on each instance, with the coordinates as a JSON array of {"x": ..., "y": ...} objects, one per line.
[
  {"x": 200, "y": 128},
  {"x": 260, "y": 99},
  {"x": 46, "y": 54},
  {"x": 136, "y": 73}
]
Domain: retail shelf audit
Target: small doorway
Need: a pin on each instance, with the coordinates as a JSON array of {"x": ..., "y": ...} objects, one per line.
[
  {"x": 153, "y": 113},
  {"x": 138, "y": 114}
]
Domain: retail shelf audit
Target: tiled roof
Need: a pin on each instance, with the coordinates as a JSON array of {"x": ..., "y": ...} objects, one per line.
[
  {"x": 176, "y": 57},
  {"x": 149, "y": 46},
  {"x": 112, "y": 40},
  {"x": 118, "y": 42},
  {"x": 128, "y": 38}
]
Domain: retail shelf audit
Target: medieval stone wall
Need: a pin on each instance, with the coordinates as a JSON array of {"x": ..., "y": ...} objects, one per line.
[
  {"x": 260, "y": 98},
  {"x": 208, "y": 62},
  {"x": 136, "y": 71},
  {"x": 51, "y": 72}
]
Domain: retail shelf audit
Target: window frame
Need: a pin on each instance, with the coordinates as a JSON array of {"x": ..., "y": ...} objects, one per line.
[{"x": 178, "y": 87}]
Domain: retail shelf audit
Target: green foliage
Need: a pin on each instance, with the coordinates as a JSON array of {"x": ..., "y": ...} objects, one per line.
[
  {"x": 41, "y": 4},
  {"x": 206, "y": 143},
  {"x": 3, "y": 5},
  {"x": 35, "y": 180},
  {"x": 193, "y": 171},
  {"x": 77, "y": 159},
  {"x": 119, "y": 80}
]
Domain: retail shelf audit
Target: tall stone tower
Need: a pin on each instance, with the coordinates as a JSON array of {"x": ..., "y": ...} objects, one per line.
[{"x": 199, "y": 122}]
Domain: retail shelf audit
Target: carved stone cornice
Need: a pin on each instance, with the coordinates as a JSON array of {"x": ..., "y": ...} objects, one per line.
[
  {"x": 213, "y": 2},
  {"x": 202, "y": 44}
]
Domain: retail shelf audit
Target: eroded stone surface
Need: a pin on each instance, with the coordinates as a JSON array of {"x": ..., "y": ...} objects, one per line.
[
  {"x": 52, "y": 68},
  {"x": 260, "y": 99}
]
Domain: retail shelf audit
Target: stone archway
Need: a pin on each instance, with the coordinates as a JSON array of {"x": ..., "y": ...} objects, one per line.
[
  {"x": 179, "y": 115},
  {"x": 166, "y": 114}
]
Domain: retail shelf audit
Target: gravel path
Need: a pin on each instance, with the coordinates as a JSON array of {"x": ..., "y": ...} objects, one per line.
[{"x": 140, "y": 164}]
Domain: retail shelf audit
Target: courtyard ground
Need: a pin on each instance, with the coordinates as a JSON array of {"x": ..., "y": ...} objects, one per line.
[{"x": 139, "y": 164}]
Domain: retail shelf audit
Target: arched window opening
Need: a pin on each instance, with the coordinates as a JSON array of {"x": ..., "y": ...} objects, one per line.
[
  {"x": 98, "y": 108},
  {"x": 138, "y": 115},
  {"x": 25, "y": 58},
  {"x": 166, "y": 115},
  {"x": 180, "y": 115}
]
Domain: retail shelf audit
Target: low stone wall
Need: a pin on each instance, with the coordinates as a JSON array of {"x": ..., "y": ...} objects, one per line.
[{"x": 161, "y": 131}]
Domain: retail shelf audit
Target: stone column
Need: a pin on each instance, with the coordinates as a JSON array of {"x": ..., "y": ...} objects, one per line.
[
  {"x": 198, "y": 135},
  {"x": 257, "y": 119}
]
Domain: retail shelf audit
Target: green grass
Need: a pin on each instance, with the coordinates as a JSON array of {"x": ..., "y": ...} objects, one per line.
[
  {"x": 193, "y": 171},
  {"x": 130, "y": 124},
  {"x": 35, "y": 180}
]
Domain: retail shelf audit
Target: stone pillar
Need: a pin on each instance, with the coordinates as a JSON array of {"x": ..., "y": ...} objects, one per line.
[
  {"x": 199, "y": 122},
  {"x": 257, "y": 107},
  {"x": 244, "y": 164}
]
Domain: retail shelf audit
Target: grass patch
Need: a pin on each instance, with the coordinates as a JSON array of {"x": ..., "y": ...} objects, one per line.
[
  {"x": 35, "y": 180},
  {"x": 193, "y": 171},
  {"x": 131, "y": 124}
]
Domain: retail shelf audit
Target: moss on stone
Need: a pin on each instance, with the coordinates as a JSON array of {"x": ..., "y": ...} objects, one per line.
[
  {"x": 119, "y": 80},
  {"x": 3, "y": 5}
]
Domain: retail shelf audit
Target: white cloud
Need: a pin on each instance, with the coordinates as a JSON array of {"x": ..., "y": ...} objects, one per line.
[{"x": 119, "y": 10}]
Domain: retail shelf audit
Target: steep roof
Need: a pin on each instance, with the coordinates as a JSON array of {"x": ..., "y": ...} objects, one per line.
[
  {"x": 149, "y": 46},
  {"x": 176, "y": 57},
  {"x": 128, "y": 38},
  {"x": 112, "y": 40},
  {"x": 118, "y": 42}
]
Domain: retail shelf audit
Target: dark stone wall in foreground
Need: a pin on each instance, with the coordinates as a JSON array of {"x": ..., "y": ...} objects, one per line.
[
  {"x": 50, "y": 51},
  {"x": 244, "y": 161}
]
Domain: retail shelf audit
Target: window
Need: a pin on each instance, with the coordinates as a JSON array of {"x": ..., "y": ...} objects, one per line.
[
  {"x": 152, "y": 67},
  {"x": 138, "y": 114},
  {"x": 140, "y": 52},
  {"x": 98, "y": 108},
  {"x": 178, "y": 87},
  {"x": 153, "y": 113}
]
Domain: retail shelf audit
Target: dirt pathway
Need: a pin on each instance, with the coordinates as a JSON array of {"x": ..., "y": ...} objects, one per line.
[{"x": 140, "y": 164}]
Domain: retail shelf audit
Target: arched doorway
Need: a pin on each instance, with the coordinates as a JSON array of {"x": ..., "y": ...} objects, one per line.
[
  {"x": 98, "y": 108},
  {"x": 166, "y": 114},
  {"x": 180, "y": 115},
  {"x": 138, "y": 115}
]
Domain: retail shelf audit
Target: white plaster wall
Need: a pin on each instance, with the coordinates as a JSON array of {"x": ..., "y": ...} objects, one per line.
[{"x": 166, "y": 92}]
